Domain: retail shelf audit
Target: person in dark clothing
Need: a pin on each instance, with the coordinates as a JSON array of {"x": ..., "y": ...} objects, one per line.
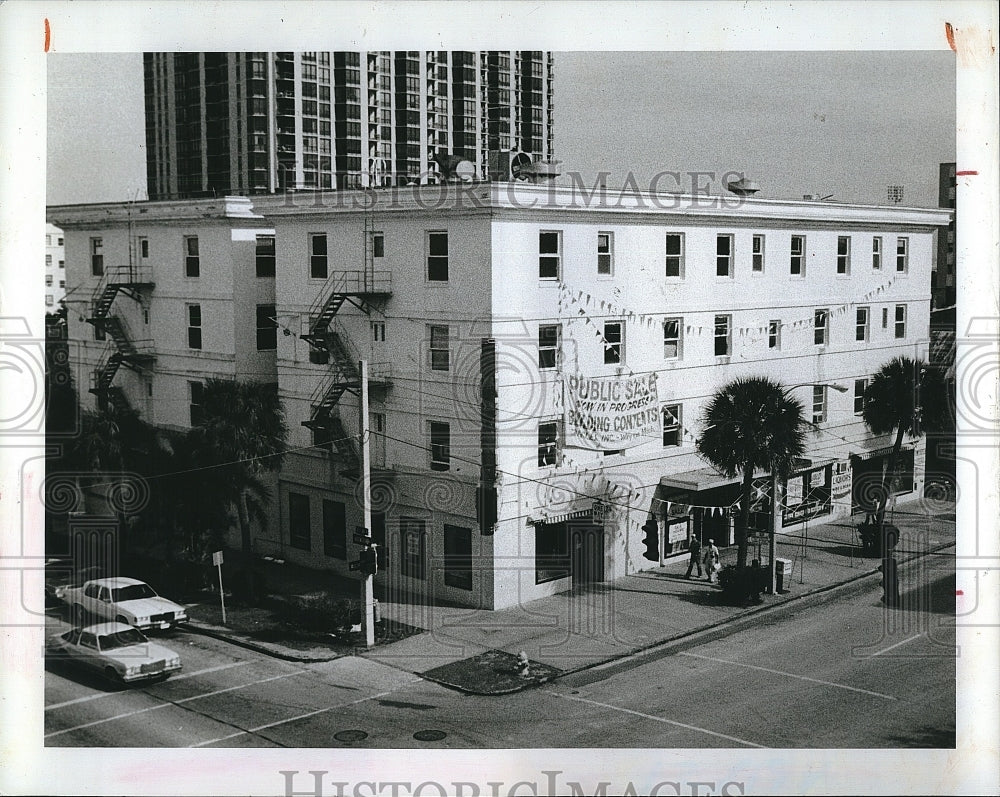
[{"x": 695, "y": 550}]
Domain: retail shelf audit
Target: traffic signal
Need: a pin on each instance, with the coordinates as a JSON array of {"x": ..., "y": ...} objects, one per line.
[
  {"x": 369, "y": 560},
  {"x": 651, "y": 540}
]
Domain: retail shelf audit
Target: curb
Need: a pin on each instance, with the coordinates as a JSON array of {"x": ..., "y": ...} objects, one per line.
[{"x": 258, "y": 647}]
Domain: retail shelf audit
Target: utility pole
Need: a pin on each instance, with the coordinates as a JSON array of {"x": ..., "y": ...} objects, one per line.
[
  {"x": 775, "y": 525},
  {"x": 368, "y": 585}
]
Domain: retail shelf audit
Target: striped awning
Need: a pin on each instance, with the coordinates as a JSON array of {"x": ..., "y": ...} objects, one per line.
[{"x": 579, "y": 513}]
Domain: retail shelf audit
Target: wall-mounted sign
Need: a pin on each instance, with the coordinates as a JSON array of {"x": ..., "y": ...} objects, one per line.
[{"x": 611, "y": 411}]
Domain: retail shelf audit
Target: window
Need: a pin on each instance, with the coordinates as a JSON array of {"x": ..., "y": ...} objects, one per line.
[
  {"x": 48, "y": 260},
  {"x": 62, "y": 264},
  {"x": 265, "y": 255},
  {"x": 50, "y": 301},
  {"x": 757, "y": 261},
  {"x": 299, "y": 522},
  {"x": 196, "y": 390},
  {"x": 614, "y": 351},
  {"x": 48, "y": 240},
  {"x": 192, "y": 260},
  {"x": 671, "y": 425},
  {"x": 548, "y": 345},
  {"x": 843, "y": 254},
  {"x": 774, "y": 334},
  {"x": 723, "y": 343},
  {"x": 605, "y": 253},
  {"x": 437, "y": 257},
  {"x": 885, "y": 318},
  {"x": 902, "y": 254},
  {"x": 413, "y": 548},
  {"x": 672, "y": 338},
  {"x": 440, "y": 434},
  {"x": 334, "y": 529},
  {"x": 62, "y": 284},
  {"x": 551, "y": 552},
  {"x": 549, "y": 253},
  {"x": 819, "y": 404},
  {"x": 861, "y": 324},
  {"x": 798, "y": 255},
  {"x": 97, "y": 257},
  {"x": 378, "y": 331},
  {"x": 876, "y": 253},
  {"x": 457, "y": 556},
  {"x": 900, "y": 326},
  {"x": 48, "y": 279},
  {"x": 194, "y": 326},
  {"x": 860, "y": 386},
  {"x": 675, "y": 254},
  {"x": 317, "y": 255},
  {"x": 723, "y": 255},
  {"x": 60, "y": 242},
  {"x": 821, "y": 321},
  {"x": 144, "y": 248},
  {"x": 267, "y": 328},
  {"x": 548, "y": 443},
  {"x": 378, "y": 244},
  {"x": 440, "y": 353}
]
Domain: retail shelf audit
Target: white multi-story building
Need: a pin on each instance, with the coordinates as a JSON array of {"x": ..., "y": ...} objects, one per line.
[
  {"x": 538, "y": 360},
  {"x": 55, "y": 268}
]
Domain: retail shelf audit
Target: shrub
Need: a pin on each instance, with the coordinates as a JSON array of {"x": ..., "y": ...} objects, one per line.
[
  {"x": 249, "y": 586},
  {"x": 322, "y": 613},
  {"x": 740, "y": 587}
]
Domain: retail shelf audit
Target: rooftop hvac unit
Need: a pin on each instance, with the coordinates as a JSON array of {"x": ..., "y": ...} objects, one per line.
[{"x": 506, "y": 166}]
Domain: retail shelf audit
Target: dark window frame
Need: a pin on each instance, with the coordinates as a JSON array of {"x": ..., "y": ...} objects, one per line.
[{"x": 299, "y": 521}]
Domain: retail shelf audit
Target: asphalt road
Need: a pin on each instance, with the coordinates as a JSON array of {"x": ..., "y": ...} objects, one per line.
[{"x": 836, "y": 672}]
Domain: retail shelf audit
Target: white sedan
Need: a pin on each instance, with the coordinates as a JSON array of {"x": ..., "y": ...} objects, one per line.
[{"x": 119, "y": 652}]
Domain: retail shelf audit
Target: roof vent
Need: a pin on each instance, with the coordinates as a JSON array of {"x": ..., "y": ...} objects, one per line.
[{"x": 743, "y": 187}]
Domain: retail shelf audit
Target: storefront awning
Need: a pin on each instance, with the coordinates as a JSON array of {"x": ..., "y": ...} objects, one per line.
[
  {"x": 707, "y": 478},
  {"x": 579, "y": 513},
  {"x": 879, "y": 452},
  {"x": 697, "y": 480}
]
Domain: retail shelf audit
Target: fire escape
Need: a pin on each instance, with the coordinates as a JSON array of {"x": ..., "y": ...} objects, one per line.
[
  {"x": 330, "y": 345},
  {"x": 124, "y": 351}
]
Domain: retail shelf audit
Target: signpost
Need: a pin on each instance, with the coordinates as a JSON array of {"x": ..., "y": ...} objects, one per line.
[
  {"x": 368, "y": 594},
  {"x": 217, "y": 561}
]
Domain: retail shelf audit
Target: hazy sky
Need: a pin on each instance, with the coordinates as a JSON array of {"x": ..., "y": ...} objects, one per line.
[{"x": 840, "y": 123}]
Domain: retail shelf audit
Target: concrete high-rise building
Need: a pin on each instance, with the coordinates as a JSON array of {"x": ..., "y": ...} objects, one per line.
[
  {"x": 257, "y": 123},
  {"x": 943, "y": 275},
  {"x": 55, "y": 268}
]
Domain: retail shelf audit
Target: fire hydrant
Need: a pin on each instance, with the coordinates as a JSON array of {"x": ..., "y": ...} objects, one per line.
[{"x": 522, "y": 664}]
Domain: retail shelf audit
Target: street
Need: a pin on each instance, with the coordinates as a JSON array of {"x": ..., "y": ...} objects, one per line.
[{"x": 832, "y": 671}]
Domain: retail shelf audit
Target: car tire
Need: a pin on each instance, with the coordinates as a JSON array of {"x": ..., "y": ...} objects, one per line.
[{"x": 114, "y": 677}]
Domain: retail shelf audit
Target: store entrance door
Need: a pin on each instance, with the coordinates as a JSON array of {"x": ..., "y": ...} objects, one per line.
[{"x": 586, "y": 545}]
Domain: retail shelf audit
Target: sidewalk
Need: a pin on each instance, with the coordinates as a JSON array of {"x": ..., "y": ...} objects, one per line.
[{"x": 475, "y": 650}]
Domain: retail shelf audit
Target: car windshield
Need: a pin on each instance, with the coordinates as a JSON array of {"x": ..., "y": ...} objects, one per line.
[
  {"x": 122, "y": 639},
  {"x": 133, "y": 592}
]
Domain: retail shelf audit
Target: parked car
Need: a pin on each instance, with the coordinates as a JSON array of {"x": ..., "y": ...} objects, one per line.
[
  {"x": 119, "y": 652},
  {"x": 61, "y": 573},
  {"x": 124, "y": 600}
]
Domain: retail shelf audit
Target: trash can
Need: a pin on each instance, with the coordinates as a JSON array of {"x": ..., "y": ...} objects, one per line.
[{"x": 783, "y": 571}]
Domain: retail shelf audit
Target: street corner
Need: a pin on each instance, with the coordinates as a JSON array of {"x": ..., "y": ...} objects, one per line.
[{"x": 494, "y": 672}]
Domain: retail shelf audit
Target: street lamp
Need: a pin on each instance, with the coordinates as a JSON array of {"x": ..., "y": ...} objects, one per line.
[{"x": 775, "y": 502}]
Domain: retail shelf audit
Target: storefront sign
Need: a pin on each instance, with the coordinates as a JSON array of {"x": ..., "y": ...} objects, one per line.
[
  {"x": 677, "y": 532},
  {"x": 612, "y": 412},
  {"x": 841, "y": 480},
  {"x": 814, "y": 502}
]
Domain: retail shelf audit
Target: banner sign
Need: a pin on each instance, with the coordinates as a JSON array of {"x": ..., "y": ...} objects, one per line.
[
  {"x": 612, "y": 412},
  {"x": 842, "y": 476},
  {"x": 815, "y": 502}
]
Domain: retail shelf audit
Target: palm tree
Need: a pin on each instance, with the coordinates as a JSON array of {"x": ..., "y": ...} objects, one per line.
[
  {"x": 905, "y": 397},
  {"x": 751, "y": 424},
  {"x": 240, "y": 436}
]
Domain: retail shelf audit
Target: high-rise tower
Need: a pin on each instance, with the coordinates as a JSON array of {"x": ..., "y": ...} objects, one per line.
[{"x": 255, "y": 122}]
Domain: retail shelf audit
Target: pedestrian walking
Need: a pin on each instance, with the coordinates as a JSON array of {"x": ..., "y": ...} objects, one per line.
[
  {"x": 711, "y": 560},
  {"x": 695, "y": 559}
]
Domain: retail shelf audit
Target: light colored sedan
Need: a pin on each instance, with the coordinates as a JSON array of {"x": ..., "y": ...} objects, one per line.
[{"x": 119, "y": 652}]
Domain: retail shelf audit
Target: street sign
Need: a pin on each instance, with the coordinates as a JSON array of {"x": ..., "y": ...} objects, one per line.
[
  {"x": 362, "y": 539},
  {"x": 354, "y": 566},
  {"x": 216, "y": 558}
]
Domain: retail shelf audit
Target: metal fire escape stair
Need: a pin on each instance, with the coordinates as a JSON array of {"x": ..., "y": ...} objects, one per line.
[{"x": 125, "y": 280}]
